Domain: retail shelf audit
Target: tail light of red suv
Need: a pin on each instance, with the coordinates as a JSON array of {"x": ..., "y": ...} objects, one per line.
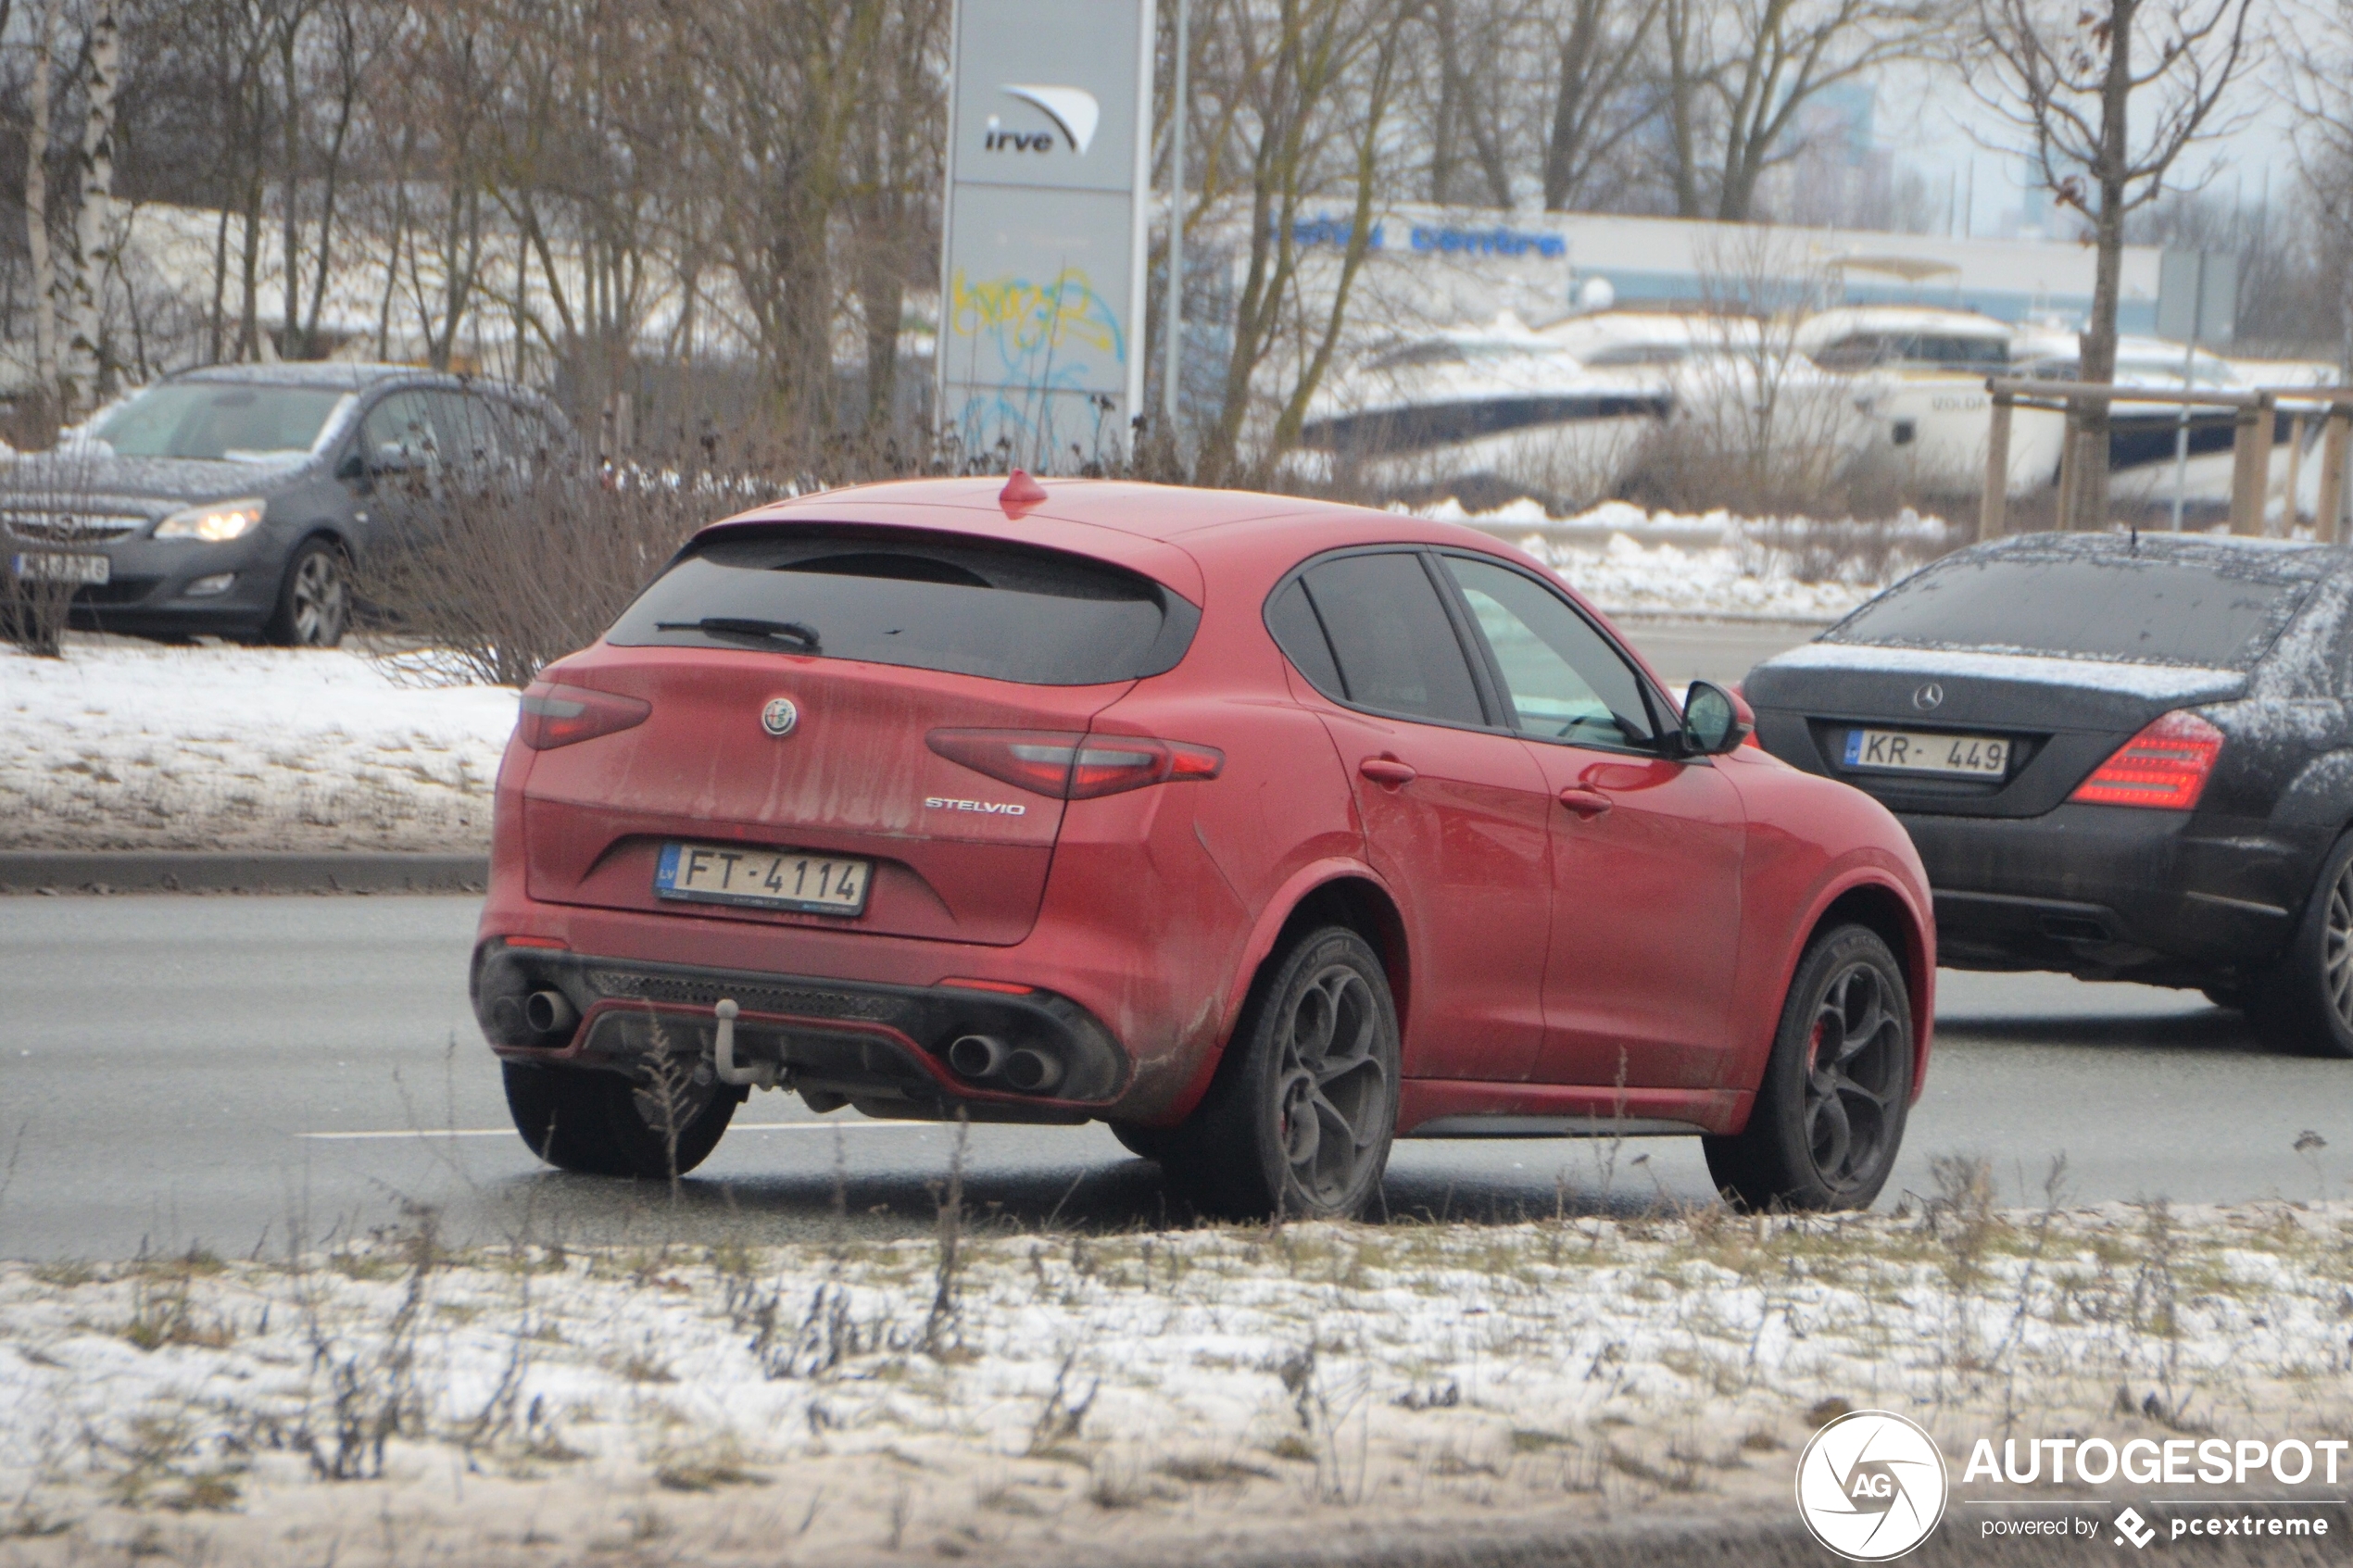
[
  {"x": 1069, "y": 766},
  {"x": 556, "y": 715},
  {"x": 2165, "y": 766}
]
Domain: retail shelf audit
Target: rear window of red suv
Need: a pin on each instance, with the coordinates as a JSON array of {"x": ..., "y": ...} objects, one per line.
[{"x": 1009, "y": 612}]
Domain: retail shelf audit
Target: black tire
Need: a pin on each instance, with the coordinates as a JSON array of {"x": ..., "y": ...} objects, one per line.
[
  {"x": 314, "y": 601},
  {"x": 1144, "y": 1143},
  {"x": 2306, "y": 1003},
  {"x": 602, "y": 1123},
  {"x": 1300, "y": 1117},
  {"x": 1824, "y": 1134}
]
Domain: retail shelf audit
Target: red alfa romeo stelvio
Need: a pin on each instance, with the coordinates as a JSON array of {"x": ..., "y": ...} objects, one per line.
[{"x": 1264, "y": 829}]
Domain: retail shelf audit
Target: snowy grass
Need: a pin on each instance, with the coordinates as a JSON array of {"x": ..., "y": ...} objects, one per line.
[
  {"x": 1046, "y": 1393},
  {"x": 1714, "y": 564},
  {"x": 129, "y": 745}
]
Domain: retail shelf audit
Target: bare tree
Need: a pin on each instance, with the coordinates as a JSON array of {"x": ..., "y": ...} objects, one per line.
[
  {"x": 1305, "y": 90},
  {"x": 85, "y": 372},
  {"x": 893, "y": 204},
  {"x": 36, "y": 202},
  {"x": 784, "y": 85},
  {"x": 1475, "y": 96},
  {"x": 2321, "y": 86},
  {"x": 1739, "y": 74},
  {"x": 1600, "y": 47},
  {"x": 2074, "y": 79}
]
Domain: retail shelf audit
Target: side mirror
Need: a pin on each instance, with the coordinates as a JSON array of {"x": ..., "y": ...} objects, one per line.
[
  {"x": 1715, "y": 721},
  {"x": 353, "y": 466}
]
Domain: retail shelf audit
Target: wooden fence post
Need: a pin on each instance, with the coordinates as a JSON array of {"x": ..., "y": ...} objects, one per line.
[
  {"x": 2063, "y": 515},
  {"x": 2328, "y": 518},
  {"x": 2251, "y": 440},
  {"x": 1993, "y": 507},
  {"x": 2292, "y": 513}
]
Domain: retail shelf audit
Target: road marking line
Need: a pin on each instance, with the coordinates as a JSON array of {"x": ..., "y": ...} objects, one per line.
[{"x": 738, "y": 1127}]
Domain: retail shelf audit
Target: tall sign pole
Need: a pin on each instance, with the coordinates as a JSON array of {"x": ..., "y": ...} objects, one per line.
[
  {"x": 1172, "y": 313},
  {"x": 1039, "y": 357}
]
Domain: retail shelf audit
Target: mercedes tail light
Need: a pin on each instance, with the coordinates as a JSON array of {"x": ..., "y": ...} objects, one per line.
[
  {"x": 1075, "y": 767},
  {"x": 554, "y": 715},
  {"x": 2165, "y": 766}
]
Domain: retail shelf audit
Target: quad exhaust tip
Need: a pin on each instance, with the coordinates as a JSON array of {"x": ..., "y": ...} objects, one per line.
[
  {"x": 548, "y": 1012},
  {"x": 983, "y": 1058},
  {"x": 978, "y": 1056},
  {"x": 1032, "y": 1072}
]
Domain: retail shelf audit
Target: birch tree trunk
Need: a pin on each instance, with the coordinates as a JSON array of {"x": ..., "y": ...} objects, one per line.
[
  {"x": 36, "y": 207},
  {"x": 86, "y": 366}
]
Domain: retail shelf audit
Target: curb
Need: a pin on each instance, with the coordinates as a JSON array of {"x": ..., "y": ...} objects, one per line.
[{"x": 149, "y": 871}]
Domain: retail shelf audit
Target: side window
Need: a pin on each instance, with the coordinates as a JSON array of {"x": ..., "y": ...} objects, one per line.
[
  {"x": 400, "y": 433},
  {"x": 1301, "y": 636},
  {"x": 525, "y": 434},
  {"x": 1392, "y": 644},
  {"x": 465, "y": 429},
  {"x": 1566, "y": 682}
]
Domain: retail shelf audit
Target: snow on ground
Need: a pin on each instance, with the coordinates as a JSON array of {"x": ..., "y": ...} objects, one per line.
[
  {"x": 1045, "y": 1396},
  {"x": 131, "y": 744},
  {"x": 1712, "y": 564}
]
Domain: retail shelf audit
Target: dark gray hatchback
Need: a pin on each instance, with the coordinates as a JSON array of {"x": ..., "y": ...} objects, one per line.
[
  {"x": 233, "y": 501},
  {"x": 2120, "y": 757}
]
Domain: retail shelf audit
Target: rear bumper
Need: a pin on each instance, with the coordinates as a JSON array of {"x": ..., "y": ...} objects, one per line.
[
  {"x": 882, "y": 1047},
  {"x": 2111, "y": 892}
]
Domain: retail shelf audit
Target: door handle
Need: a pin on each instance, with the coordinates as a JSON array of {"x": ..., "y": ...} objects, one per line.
[
  {"x": 1584, "y": 800},
  {"x": 1387, "y": 770}
]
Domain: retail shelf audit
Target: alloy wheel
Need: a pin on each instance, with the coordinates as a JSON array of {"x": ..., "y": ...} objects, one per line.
[
  {"x": 1331, "y": 1087},
  {"x": 320, "y": 600},
  {"x": 1853, "y": 1077},
  {"x": 2336, "y": 947}
]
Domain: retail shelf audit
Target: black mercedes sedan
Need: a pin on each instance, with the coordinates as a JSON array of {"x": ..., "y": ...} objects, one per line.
[
  {"x": 233, "y": 501},
  {"x": 2122, "y": 756}
]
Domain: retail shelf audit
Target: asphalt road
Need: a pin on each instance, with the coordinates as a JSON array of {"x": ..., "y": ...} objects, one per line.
[
  {"x": 1708, "y": 650},
  {"x": 230, "y": 1071}
]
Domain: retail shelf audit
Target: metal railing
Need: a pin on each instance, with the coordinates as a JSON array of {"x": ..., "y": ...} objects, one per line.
[{"x": 2252, "y": 440}]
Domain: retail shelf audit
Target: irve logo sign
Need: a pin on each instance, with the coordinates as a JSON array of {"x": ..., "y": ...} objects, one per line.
[{"x": 1074, "y": 111}]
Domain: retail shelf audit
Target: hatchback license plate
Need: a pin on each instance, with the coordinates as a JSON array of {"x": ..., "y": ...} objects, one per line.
[
  {"x": 768, "y": 879},
  {"x": 1911, "y": 751},
  {"x": 57, "y": 567}
]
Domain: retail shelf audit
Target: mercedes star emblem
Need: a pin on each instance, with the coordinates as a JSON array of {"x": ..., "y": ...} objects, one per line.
[{"x": 1928, "y": 697}]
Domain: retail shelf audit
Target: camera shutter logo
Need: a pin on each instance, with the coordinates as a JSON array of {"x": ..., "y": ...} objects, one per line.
[
  {"x": 780, "y": 717},
  {"x": 1928, "y": 697},
  {"x": 1871, "y": 1485}
]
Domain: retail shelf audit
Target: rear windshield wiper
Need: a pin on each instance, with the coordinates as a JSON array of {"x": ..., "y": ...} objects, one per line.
[{"x": 746, "y": 626}]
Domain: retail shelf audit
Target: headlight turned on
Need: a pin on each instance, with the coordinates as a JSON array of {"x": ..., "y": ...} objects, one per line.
[{"x": 215, "y": 522}]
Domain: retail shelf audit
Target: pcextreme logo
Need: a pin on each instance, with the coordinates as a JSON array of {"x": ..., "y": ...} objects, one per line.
[
  {"x": 1072, "y": 109},
  {"x": 1871, "y": 1485}
]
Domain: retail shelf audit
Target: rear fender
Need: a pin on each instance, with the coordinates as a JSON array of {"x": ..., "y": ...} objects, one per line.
[
  {"x": 2312, "y": 807},
  {"x": 1264, "y": 934}
]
